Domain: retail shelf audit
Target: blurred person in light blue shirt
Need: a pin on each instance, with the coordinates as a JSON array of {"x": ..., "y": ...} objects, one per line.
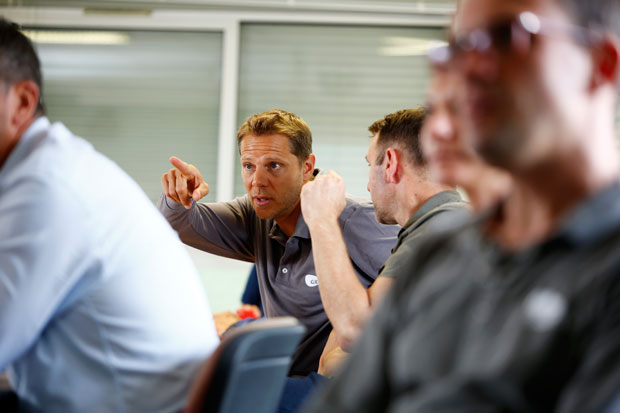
[{"x": 101, "y": 309}]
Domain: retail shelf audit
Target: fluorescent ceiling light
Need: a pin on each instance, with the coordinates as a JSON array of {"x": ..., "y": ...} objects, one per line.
[
  {"x": 408, "y": 46},
  {"x": 77, "y": 37}
]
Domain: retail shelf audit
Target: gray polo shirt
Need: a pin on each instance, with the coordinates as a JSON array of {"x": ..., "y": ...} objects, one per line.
[
  {"x": 285, "y": 267},
  {"x": 440, "y": 212},
  {"x": 480, "y": 329}
]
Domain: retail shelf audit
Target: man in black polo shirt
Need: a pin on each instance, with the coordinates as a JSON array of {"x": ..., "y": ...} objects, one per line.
[{"x": 519, "y": 310}]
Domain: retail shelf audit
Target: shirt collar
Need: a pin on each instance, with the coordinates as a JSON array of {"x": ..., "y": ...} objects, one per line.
[
  {"x": 301, "y": 230},
  {"x": 594, "y": 218},
  {"x": 26, "y": 143},
  {"x": 433, "y": 202}
]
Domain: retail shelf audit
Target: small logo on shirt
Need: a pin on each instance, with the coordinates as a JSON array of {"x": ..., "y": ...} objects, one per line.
[
  {"x": 312, "y": 280},
  {"x": 545, "y": 309}
]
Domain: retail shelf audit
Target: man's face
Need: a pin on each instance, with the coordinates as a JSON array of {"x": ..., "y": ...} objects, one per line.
[
  {"x": 378, "y": 188},
  {"x": 523, "y": 100},
  {"x": 272, "y": 175},
  {"x": 451, "y": 160}
]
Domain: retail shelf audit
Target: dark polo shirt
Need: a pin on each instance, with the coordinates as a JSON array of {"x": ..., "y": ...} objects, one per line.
[
  {"x": 285, "y": 266},
  {"x": 479, "y": 329},
  {"x": 440, "y": 212}
]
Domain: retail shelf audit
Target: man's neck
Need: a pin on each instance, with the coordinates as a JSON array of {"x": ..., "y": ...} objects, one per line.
[
  {"x": 487, "y": 188},
  {"x": 10, "y": 142},
  {"x": 413, "y": 196},
  {"x": 289, "y": 223},
  {"x": 541, "y": 198}
]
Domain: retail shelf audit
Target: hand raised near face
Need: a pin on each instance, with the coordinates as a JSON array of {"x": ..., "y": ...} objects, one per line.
[
  {"x": 183, "y": 183},
  {"x": 323, "y": 199}
]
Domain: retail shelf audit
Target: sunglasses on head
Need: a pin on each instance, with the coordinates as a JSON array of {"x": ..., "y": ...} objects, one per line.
[{"x": 510, "y": 35}]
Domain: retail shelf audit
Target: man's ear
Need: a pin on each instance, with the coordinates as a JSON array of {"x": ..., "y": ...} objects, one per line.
[
  {"x": 606, "y": 62},
  {"x": 24, "y": 103},
  {"x": 391, "y": 165},
  {"x": 307, "y": 168}
]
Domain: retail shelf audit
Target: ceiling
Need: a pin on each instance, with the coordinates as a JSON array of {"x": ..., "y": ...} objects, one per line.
[{"x": 355, "y": 6}]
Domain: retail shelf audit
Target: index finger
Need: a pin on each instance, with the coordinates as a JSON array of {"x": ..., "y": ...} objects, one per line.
[{"x": 181, "y": 166}]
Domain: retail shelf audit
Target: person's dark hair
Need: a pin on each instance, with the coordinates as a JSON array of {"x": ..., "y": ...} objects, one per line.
[
  {"x": 403, "y": 128},
  {"x": 18, "y": 59},
  {"x": 280, "y": 122}
]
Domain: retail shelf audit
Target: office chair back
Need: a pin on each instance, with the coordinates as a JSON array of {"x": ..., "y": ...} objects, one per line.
[{"x": 247, "y": 371}]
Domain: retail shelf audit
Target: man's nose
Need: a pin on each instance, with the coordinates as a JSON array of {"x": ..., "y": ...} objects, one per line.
[
  {"x": 480, "y": 64},
  {"x": 260, "y": 177},
  {"x": 442, "y": 127}
]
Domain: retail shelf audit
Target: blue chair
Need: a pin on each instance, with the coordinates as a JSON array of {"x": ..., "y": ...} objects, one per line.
[{"x": 247, "y": 371}]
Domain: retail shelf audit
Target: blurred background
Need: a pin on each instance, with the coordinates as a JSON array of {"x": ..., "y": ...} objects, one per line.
[{"x": 143, "y": 80}]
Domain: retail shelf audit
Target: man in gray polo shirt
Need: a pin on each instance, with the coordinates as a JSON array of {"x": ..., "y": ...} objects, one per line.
[
  {"x": 266, "y": 225},
  {"x": 520, "y": 310},
  {"x": 402, "y": 193}
]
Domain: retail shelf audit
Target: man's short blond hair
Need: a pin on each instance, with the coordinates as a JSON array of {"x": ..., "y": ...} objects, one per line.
[{"x": 280, "y": 122}]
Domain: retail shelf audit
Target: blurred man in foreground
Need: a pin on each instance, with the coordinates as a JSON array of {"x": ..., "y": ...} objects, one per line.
[
  {"x": 518, "y": 311},
  {"x": 100, "y": 305}
]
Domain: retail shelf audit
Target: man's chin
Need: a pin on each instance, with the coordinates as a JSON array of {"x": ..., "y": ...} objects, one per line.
[
  {"x": 263, "y": 213},
  {"x": 383, "y": 218}
]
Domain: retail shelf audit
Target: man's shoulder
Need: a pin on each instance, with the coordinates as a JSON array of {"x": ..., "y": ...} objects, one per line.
[
  {"x": 446, "y": 236},
  {"x": 356, "y": 202},
  {"x": 441, "y": 218},
  {"x": 443, "y": 252},
  {"x": 359, "y": 214},
  {"x": 453, "y": 236},
  {"x": 50, "y": 152},
  {"x": 355, "y": 208},
  {"x": 68, "y": 173},
  {"x": 241, "y": 209}
]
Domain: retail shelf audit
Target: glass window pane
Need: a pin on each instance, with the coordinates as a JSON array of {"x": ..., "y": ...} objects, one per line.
[
  {"x": 340, "y": 79},
  {"x": 138, "y": 96}
]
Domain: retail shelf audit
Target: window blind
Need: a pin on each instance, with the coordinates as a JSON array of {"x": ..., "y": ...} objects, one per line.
[
  {"x": 138, "y": 96},
  {"x": 339, "y": 79}
]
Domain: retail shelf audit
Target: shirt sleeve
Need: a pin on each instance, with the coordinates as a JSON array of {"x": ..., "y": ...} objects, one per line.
[
  {"x": 221, "y": 228},
  {"x": 369, "y": 243},
  {"x": 43, "y": 250}
]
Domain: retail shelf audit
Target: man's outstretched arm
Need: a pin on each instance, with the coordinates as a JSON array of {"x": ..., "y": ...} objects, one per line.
[{"x": 221, "y": 228}]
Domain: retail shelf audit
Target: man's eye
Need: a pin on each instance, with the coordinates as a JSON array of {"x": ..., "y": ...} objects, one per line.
[
  {"x": 275, "y": 165},
  {"x": 247, "y": 166}
]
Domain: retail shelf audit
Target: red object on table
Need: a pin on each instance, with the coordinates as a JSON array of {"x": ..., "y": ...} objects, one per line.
[{"x": 244, "y": 313}]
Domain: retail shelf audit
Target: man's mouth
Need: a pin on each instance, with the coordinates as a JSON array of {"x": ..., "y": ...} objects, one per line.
[
  {"x": 261, "y": 201},
  {"x": 482, "y": 103},
  {"x": 446, "y": 155}
]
